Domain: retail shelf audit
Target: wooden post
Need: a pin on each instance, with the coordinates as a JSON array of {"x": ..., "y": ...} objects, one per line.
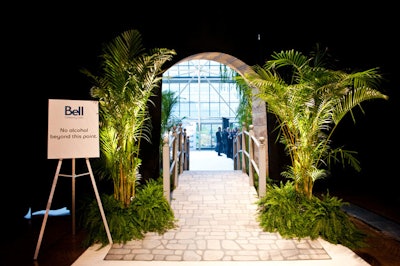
[
  {"x": 235, "y": 153},
  {"x": 243, "y": 148},
  {"x": 175, "y": 157},
  {"x": 166, "y": 174},
  {"x": 262, "y": 164},
  {"x": 180, "y": 149},
  {"x": 251, "y": 156},
  {"x": 185, "y": 151}
]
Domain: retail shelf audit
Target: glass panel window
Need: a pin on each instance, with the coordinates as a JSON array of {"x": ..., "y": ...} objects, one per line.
[{"x": 206, "y": 93}]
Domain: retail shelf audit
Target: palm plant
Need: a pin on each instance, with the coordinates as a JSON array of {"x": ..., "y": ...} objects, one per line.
[
  {"x": 244, "y": 110},
  {"x": 309, "y": 101},
  {"x": 130, "y": 78},
  {"x": 168, "y": 120}
]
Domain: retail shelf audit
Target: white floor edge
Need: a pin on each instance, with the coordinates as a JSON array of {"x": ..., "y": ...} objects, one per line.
[
  {"x": 339, "y": 254},
  {"x": 209, "y": 160}
]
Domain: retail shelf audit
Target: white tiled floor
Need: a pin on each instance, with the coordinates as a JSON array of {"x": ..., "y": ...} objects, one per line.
[
  {"x": 209, "y": 160},
  {"x": 205, "y": 160}
]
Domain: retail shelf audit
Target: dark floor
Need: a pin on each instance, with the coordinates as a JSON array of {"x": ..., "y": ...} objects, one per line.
[{"x": 60, "y": 247}]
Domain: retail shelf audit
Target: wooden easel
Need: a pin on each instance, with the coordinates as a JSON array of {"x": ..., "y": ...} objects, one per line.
[{"x": 73, "y": 175}]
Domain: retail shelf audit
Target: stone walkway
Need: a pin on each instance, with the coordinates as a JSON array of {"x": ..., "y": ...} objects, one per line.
[{"x": 216, "y": 216}]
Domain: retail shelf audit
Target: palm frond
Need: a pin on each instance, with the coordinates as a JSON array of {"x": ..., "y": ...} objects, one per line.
[
  {"x": 125, "y": 89},
  {"x": 309, "y": 101},
  {"x": 354, "y": 98}
]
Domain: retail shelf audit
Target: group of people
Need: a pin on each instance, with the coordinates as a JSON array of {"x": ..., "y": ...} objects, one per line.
[{"x": 225, "y": 139}]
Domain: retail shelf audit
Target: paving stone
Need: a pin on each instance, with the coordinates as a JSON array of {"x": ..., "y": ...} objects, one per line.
[{"x": 216, "y": 215}]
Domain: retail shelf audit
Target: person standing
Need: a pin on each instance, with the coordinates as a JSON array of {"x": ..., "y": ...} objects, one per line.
[
  {"x": 230, "y": 143},
  {"x": 225, "y": 135},
  {"x": 218, "y": 135}
]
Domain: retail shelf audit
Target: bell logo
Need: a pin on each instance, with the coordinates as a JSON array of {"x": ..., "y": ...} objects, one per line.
[{"x": 75, "y": 112}]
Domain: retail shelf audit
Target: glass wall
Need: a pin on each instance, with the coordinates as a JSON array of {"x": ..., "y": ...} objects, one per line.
[{"x": 207, "y": 94}]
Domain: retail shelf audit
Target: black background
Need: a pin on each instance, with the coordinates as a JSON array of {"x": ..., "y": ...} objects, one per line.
[{"x": 44, "y": 47}]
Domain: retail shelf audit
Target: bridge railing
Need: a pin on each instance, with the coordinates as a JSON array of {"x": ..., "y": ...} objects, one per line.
[
  {"x": 249, "y": 155},
  {"x": 175, "y": 158}
]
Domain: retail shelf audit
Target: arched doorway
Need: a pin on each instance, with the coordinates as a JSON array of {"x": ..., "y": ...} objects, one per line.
[
  {"x": 258, "y": 108},
  {"x": 151, "y": 166}
]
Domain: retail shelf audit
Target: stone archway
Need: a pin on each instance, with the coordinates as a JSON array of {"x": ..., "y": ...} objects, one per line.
[
  {"x": 258, "y": 109},
  {"x": 150, "y": 151}
]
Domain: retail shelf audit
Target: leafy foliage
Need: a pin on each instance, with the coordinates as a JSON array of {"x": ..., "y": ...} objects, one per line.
[
  {"x": 293, "y": 215},
  {"x": 244, "y": 110},
  {"x": 168, "y": 120},
  {"x": 148, "y": 212},
  {"x": 130, "y": 77},
  {"x": 309, "y": 101},
  {"x": 153, "y": 211}
]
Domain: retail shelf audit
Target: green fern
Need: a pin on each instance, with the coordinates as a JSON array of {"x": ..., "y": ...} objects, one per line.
[
  {"x": 294, "y": 215},
  {"x": 149, "y": 211},
  {"x": 152, "y": 208}
]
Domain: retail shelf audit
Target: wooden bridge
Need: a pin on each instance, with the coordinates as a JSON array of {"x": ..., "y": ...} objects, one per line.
[{"x": 249, "y": 156}]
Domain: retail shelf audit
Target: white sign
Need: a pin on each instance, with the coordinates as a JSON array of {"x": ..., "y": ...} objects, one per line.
[{"x": 73, "y": 129}]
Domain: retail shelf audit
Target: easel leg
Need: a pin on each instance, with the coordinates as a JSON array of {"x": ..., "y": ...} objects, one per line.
[
  {"x": 73, "y": 197},
  {"x": 57, "y": 174},
  {"x": 99, "y": 201},
  {"x": 47, "y": 209}
]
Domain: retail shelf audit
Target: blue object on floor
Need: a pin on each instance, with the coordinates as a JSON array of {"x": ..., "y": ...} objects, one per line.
[{"x": 58, "y": 212}]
